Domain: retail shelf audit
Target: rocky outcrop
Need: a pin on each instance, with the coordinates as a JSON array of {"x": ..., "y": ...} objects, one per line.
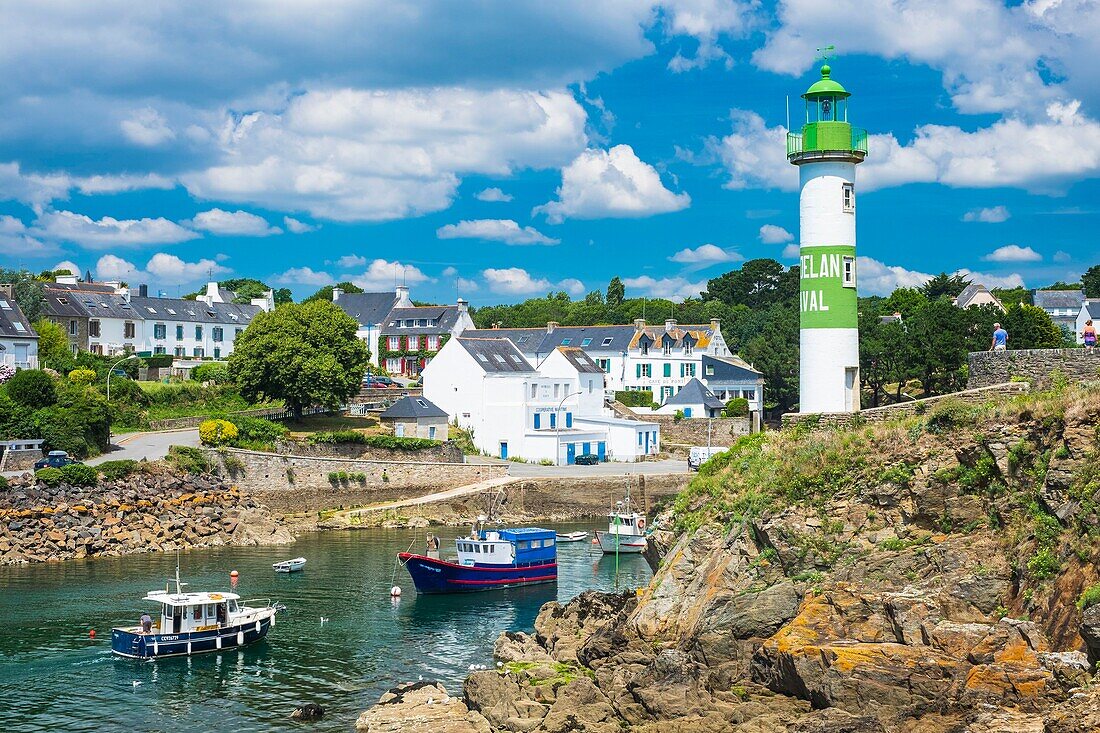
[
  {"x": 153, "y": 511},
  {"x": 420, "y": 707}
]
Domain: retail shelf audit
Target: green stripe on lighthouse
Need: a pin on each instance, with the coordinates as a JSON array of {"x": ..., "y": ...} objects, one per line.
[{"x": 824, "y": 298}]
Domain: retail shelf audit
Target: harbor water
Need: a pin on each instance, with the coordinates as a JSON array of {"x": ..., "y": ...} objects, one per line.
[{"x": 53, "y": 676}]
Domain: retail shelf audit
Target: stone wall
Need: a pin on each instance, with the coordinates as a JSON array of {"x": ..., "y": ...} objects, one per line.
[
  {"x": 447, "y": 452},
  {"x": 295, "y": 484},
  {"x": 1032, "y": 365},
  {"x": 903, "y": 409},
  {"x": 693, "y": 431},
  {"x": 19, "y": 460}
]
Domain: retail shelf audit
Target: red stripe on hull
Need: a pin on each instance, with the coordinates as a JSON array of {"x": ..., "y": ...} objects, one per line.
[
  {"x": 406, "y": 556},
  {"x": 501, "y": 581}
]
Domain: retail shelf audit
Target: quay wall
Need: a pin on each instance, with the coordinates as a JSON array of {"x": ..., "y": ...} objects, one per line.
[{"x": 1032, "y": 365}]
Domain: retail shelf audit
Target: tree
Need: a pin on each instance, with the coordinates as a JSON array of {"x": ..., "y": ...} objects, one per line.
[
  {"x": 773, "y": 350},
  {"x": 616, "y": 292},
  {"x": 306, "y": 354},
  {"x": 944, "y": 285},
  {"x": 1007, "y": 296},
  {"x": 28, "y": 292},
  {"x": 325, "y": 293},
  {"x": 758, "y": 284},
  {"x": 283, "y": 296},
  {"x": 1030, "y": 327},
  {"x": 1091, "y": 281},
  {"x": 904, "y": 301},
  {"x": 53, "y": 344},
  {"x": 32, "y": 388}
]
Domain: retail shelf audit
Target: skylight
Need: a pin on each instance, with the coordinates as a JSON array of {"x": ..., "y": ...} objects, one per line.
[
  {"x": 18, "y": 326},
  {"x": 422, "y": 403},
  {"x": 566, "y": 342},
  {"x": 586, "y": 342},
  {"x": 151, "y": 310},
  {"x": 499, "y": 358},
  {"x": 63, "y": 301},
  {"x": 482, "y": 357},
  {"x": 171, "y": 311},
  {"x": 5, "y": 305},
  {"x": 524, "y": 339},
  {"x": 607, "y": 341}
]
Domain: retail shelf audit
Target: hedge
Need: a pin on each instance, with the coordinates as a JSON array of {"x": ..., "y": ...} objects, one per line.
[
  {"x": 217, "y": 432},
  {"x": 77, "y": 474},
  {"x": 635, "y": 398},
  {"x": 49, "y": 476},
  {"x": 391, "y": 442},
  {"x": 114, "y": 470}
]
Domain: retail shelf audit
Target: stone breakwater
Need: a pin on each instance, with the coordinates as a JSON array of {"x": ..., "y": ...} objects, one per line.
[{"x": 154, "y": 512}]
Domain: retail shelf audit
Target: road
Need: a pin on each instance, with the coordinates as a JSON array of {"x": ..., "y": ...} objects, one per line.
[
  {"x": 646, "y": 468},
  {"x": 150, "y": 446},
  {"x": 493, "y": 483}
]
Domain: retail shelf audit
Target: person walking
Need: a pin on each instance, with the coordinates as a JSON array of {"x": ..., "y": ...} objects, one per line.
[
  {"x": 1088, "y": 334},
  {"x": 1000, "y": 339}
]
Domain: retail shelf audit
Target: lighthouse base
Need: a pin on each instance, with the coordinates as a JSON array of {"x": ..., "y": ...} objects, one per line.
[{"x": 828, "y": 370}]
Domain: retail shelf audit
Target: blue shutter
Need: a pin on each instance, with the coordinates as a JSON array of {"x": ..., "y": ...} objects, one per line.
[
  {"x": 569, "y": 421},
  {"x": 538, "y": 420}
]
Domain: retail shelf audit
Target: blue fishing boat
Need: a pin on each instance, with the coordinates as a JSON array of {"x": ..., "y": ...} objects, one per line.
[
  {"x": 193, "y": 623},
  {"x": 487, "y": 560}
]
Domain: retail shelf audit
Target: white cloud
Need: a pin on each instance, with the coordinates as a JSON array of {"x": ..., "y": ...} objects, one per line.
[
  {"x": 991, "y": 215},
  {"x": 673, "y": 288},
  {"x": 791, "y": 252},
  {"x": 69, "y": 265},
  {"x": 304, "y": 276},
  {"x": 15, "y": 239},
  {"x": 517, "y": 281},
  {"x": 449, "y": 271},
  {"x": 705, "y": 254},
  {"x": 32, "y": 189},
  {"x": 1061, "y": 256},
  {"x": 170, "y": 269},
  {"x": 382, "y": 275},
  {"x": 1013, "y": 253},
  {"x": 147, "y": 127},
  {"x": 990, "y": 280},
  {"x": 348, "y": 262},
  {"x": 706, "y": 20},
  {"x": 754, "y": 154},
  {"x": 65, "y": 226},
  {"x": 122, "y": 182},
  {"x": 112, "y": 267},
  {"x": 298, "y": 227},
  {"x": 876, "y": 278},
  {"x": 611, "y": 183},
  {"x": 372, "y": 155},
  {"x": 492, "y": 194},
  {"x": 467, "y": 285},
  {"x": 496, "y": 230},
  {"x": 772, "y": 234},
  {"x": 233, "y": 223}
]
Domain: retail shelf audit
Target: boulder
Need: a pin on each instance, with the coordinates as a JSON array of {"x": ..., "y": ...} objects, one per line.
[{"x": 421, "y": 707}]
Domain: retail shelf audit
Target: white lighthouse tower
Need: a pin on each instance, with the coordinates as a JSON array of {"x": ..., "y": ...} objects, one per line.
[{"x": 826, "y": 153}]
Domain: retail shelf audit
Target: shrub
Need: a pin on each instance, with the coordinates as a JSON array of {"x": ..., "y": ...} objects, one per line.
[
  {"x": 395, "y": 443},
  {"x": 82, "y": 377},
  {"x": 678, "y": 416},
  {"x": 255, "y": 428},
  {"x": 48, "y": 476},
  {"x": 1089, "y": 597},
  {"x": 635, "y": 398},
  {"x": 7, "y": 371},
  {"x": 1044, "y": 564},
  {"x": 737, "y": 407},
  {"x": 214, "y": 373},
  {"x": 949, "y": 414},
  {"x": 3, "y": 483},
  {"x": 115, "y": 470},
  {"x": 290, "y": 476},
  {"x": 32, "y": 388},
  {"x": 158, "y": 361},
  {"x": 78, "y": 474},
  {"x": 217, "y": 432},
  {"x": 189, "y": 460},
  {"x": 332, "y": 437}
]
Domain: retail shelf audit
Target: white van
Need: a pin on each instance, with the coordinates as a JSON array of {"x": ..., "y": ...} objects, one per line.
[{"x": 699, "y": 455}]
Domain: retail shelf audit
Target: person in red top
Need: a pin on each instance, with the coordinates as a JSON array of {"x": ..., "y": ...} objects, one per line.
[{"x": 1088, "y": 333}]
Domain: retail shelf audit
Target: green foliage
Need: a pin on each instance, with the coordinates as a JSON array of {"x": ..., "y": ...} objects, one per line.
[
  {"x": 32, "y": 388},
  {"x": 115, "y": 470},
  {"x": 159, "y": 361},
  {"x": 944, "y": 286},
  {"x": 29, "y": 294},
  {"x": 53, "y": 345},
  {"x": 616, "y": 292},
  {"x": 737, "y": 407},
  {"x": 758, "y": 284},
  {"x": 896, "y": 544},
  {"x": 1091, "y": 282},
  {"x": 1089, "y": 597},
  {"x": 3, "y": 483},
  {"x": 1030, "y": 327},
  {"x": 635, "y": 398},
  {"x": 190, "y": 460},
  {"x": 376, "y": 441},
  {"x": 257, "y": 429},
  {"x": 1044, "y": 564},
  {"x": 305, "y": 354},
  {"x": 325, "y": 293},
  {"x": 464, "y": 439},
  {"x": 49, "y": 476},
  {"x": 332, "y": 437},
  {"x": 217, "y": 432},
  {"x": 82, "y": 377},
  {"x": 949, "y": 414},
  {"x": 898, "y": 473},
  {"x": 77, "y": 474},
  {"x": 678, "y": 416},
  {"x": 212, "y": 372}
]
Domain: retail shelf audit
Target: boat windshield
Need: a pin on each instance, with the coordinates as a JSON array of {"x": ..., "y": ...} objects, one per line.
[{"x": 233, "y": 607}]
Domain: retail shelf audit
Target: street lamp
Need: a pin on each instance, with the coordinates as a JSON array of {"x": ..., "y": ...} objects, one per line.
[
  {"x": 557, "y": 429},
  {"x": 109, "y": 372}
]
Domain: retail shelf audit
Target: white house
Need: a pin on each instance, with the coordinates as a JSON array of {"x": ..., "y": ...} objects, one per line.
[
  {"x": 632, "y": 357},
  {"x": 370, "y": 311},
  {"x": 976, "y": 294},
  {"x": 18, "y": 341},
  {"x": 1063, "y": 306},
  {"x": 552, "y": 411}
]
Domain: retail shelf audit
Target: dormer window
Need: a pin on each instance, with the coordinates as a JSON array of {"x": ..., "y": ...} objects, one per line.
[
  {"x": 687, "y": 347},
  {"x": 644, "y": 347},
  {"x": 668, "y": 346}
]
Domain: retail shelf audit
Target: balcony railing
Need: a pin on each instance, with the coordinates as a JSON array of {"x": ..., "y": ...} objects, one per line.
[
  {"x": 30, "y": 362},
  {"x": 858, "y": 143}
]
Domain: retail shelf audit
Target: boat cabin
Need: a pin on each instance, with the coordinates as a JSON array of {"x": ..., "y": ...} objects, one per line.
[
  {"x": 626, "y": 523},
  {"x": 186, "y": 612},
  {"x": 514, "y": 547}
]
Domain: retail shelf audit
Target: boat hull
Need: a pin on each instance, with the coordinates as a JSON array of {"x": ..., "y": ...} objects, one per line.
[
  {"x": 627, "y": 543},
  {"x": 430, "y": 575},
  {"x": 572, "y": 537},
  {"x": 147, "y": 646}
]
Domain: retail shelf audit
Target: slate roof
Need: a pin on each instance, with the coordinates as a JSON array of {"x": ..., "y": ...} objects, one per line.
[
  {"x": 104, "y": 305},
  {"x": 413, "y": 407},
  {"x": 593, "y": 339},
  {"x": 1092, "y": 306},
  {"x": 580, "y": 360},
  {"x": 971, "y": 291},
  {"x": 730, "y": 368},
  {"x": 82, "y": 287},
  {"x": 694, "y": 393},
  {"x": 495, "y": 354},
  {"x": 13, "y": 324},
  {"x": 445, "y": 317},
  {"x": 1050, "y": 299},
  {"x": 194, "y": 311},
  {"x": 64, "y": 303},
  {"x": 368, "y": 309}
]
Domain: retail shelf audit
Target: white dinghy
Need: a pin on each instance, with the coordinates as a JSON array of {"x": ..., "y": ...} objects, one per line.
[{"x": 289, "y": 566}]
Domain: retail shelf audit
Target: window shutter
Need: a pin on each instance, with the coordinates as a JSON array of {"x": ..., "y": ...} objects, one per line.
[{"x": 638, "y": 368}]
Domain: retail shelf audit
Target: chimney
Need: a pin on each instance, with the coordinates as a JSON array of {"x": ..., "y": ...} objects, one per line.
[
  {"x": 639, "y": 324},
  {"x": 670, "y": 324},
  {"x": 403, "y": 300},
  {"x": 336, "y": 293},
  {"x": 143, "y": 291},
  {"x": 715, "y": 323},
  {"x": 463, "y": 305},
  {"x": 66, "y": 279},
  {"x": 551, "y": 325},
  {"x": 6, "y": 290}
]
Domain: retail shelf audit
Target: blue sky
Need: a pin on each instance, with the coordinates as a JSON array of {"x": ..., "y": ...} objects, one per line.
[{"x": 503, "y": 150}]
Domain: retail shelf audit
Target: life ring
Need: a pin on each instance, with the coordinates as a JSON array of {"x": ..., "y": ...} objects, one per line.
[{"x": 641, "y": 523}]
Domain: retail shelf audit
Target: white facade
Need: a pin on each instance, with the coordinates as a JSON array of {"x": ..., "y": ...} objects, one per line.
[
  {"x": 829, "y": 357},
  {"x": 1090, "y": 311},
  {"x": 552, "y": 412}
]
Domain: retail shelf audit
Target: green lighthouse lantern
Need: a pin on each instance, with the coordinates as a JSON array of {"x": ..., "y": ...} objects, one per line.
[{"x": 827, "y": 132}]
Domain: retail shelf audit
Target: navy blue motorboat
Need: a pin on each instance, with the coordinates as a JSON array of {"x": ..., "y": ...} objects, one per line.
[
  {"x": 487, "y": 560},
  {"x": 193, "y": 623}
]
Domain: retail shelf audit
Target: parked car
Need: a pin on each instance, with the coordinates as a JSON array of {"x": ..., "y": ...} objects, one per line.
[
  {"x": 699, "y": 455},
  {"x": 55, "y": 459},
  {"x": 377, "y": 382},
  {"x": 587, "y": 459}
]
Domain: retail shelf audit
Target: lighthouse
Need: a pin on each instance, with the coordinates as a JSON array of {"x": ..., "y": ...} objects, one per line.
[{"x": 826, "y": 153}]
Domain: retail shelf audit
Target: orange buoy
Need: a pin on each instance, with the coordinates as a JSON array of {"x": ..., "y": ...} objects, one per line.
[
  {"x": 233, "y": 573},
  {"x": 91, "y": 634}
]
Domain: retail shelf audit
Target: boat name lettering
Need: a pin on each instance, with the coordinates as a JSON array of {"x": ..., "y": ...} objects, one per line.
[{"x": 168, "y": 638}]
